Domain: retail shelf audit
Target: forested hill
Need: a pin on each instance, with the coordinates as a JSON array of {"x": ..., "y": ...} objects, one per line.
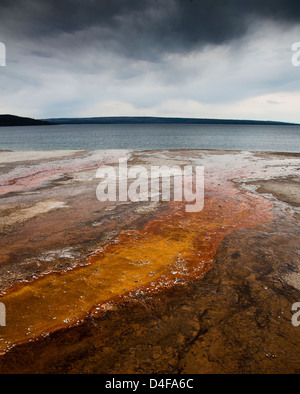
[
  {"x": 160, "y": 120},
  {"x": 12, "y": 120}
]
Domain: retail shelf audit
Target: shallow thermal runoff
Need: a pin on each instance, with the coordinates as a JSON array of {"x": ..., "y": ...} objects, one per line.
[{"x": 69, "y": 262}]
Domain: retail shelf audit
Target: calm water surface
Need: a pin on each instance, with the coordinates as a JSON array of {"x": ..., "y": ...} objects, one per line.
[{"x": 222, "y": 137}]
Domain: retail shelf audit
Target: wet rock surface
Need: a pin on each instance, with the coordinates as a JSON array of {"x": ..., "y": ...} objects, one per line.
[
  {"x": 237, "y": 319},
  {"x": 234, "y": 319}
]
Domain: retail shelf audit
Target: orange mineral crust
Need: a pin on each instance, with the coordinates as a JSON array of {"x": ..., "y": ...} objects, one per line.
[{"x": 173, "y": 249}]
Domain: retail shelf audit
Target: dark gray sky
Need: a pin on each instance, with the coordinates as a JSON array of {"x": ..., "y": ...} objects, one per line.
[{"x": 200, "y": 58}]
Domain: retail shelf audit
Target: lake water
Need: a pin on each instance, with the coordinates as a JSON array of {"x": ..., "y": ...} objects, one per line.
[{"x": 222, "y": 137}]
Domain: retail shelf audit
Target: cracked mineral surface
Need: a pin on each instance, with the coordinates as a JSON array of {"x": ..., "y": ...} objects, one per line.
[{"x": 143, "y": 287}]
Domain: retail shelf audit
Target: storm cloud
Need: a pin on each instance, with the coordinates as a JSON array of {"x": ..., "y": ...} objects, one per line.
[
  {"x": 161, "y": 25},
  {"x": 119, "y": 57}
]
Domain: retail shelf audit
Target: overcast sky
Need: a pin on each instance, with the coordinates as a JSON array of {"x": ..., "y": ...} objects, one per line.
[{"x": 199, "y": 58}]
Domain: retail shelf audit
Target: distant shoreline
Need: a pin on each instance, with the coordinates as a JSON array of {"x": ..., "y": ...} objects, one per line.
[
  {"x": 12, "y": 120},
  {"x": 163, "y": 120}
]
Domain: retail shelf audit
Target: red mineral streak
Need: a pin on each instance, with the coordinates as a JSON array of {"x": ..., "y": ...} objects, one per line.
[{"x": 175, "y": 248}]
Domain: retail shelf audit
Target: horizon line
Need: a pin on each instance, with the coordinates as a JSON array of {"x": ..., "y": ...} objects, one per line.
[{"x": 144, "y": 118}]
